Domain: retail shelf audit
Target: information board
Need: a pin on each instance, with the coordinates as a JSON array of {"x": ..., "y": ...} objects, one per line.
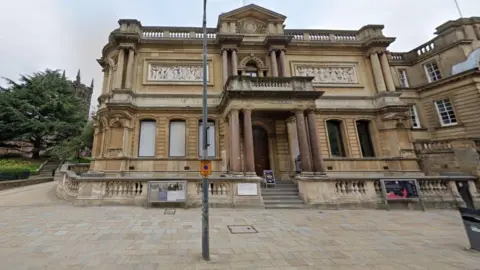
[
  {"x": 268, "y": 177},
  {"x": 401, "y": 189},
  {"x": 167, "y": 192},
  {"x": 247, "y": 189}
]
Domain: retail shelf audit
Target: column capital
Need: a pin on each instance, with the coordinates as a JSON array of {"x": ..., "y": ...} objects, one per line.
[
  {"x": 247, "y": 110},
  {"x": 376, "y": 51},
  {"x": 302, "y": 112},
  {"x": 127, "y": 46}
]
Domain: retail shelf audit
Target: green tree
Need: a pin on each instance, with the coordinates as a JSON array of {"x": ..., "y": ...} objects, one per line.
[
  {"x": 41, "y": 109},
  {"x": 70, "y": 148}
]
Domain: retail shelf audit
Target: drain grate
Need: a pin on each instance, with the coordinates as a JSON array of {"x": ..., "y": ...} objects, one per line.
[
  {"x": 237, "y": 229},
  {"x": 169, "y": 211}
]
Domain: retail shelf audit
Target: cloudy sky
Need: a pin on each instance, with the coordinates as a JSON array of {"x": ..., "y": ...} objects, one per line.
[{"x": 69, "y": 34}]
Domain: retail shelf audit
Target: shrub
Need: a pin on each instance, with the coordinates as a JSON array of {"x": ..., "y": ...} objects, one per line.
[{"x": 12, "y": 169}]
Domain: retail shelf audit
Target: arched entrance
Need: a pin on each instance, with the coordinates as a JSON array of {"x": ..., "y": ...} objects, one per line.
[{"x": 260, "y": 150}]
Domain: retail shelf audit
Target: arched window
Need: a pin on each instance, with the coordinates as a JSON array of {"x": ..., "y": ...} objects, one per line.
[
  {"x": 365, "y": 138},
  {"x": 335, "y": 138},
  {"x": 146, "y": 143},
  {"x": 210, "y": 138},
  {"x": 177, "y": 138},
  {"x": 251, "y": 70}
]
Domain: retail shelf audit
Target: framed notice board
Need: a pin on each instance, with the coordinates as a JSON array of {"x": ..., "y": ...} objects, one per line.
[
  {"x": 401, "y": 189},
  {"x": 167, "y": 192}
]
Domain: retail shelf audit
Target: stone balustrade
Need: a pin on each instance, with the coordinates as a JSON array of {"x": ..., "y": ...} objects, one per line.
[
  {"x": 322, "y": 35},
  {"x": 358, "y": 192},
  {"x": 98, "y": 189},
  {"x": 176, "y": 33},
  {"x": 432, "y": 145},
  {"x": 247, "y": 83}
]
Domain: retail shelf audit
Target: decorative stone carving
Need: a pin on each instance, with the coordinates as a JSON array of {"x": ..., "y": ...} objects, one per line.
[
  {"x": 250, "y": 27},
  {"x": 163, "y": 72},
  {"x": 328, "y": 74},
  {"x": 251, "y": 58}
]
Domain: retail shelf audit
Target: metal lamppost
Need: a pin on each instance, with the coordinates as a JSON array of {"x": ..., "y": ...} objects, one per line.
[{"x": 205, "y": 237}]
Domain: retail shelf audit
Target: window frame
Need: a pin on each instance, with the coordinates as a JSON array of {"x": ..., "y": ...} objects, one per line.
[
  {"x": 402, "y": 74},
  {"x": 427, "y": 73},
  {"x": 440, "y": 119},
  {"x": 170, "y": 138},
  {"x": 214, "y": 145},
  {"x": 342, "y": 145},
  {"x": 413, "y": 109},
  {"x": 140, "y": 138},
  {"x": 370, "y": 134}
]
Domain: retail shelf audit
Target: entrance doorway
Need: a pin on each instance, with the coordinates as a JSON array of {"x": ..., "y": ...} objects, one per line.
[{"x": 260, "y": 150}]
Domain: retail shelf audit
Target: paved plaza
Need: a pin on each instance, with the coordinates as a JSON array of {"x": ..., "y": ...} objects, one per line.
[{"x": 39, "y": 231}]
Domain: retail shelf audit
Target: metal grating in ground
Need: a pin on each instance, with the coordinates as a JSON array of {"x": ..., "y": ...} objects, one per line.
[
  {"x": 238, "y": 229},
  {"x": 169, "y": 211}
]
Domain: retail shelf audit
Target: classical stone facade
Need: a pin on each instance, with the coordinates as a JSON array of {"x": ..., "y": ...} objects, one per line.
[{"x": 327, "y": 109}]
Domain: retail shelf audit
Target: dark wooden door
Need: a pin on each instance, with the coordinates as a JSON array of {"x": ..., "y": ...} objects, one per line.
[
  {"x": 462, "y": 187},
  {"x": 260, "y": 150}
]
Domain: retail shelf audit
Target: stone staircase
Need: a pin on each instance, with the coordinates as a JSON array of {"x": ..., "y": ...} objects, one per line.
[
  {"x": 284, "y": 195},
  {"x": 47, "y": 169}
]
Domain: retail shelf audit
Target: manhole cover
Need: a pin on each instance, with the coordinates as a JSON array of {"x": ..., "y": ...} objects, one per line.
[
  {"x": 169, "y": 211},
  {"x": 235, "y": 229}
]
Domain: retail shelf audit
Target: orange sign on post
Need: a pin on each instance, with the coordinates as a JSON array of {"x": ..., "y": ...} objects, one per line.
[{"x": 205, "y": 168}]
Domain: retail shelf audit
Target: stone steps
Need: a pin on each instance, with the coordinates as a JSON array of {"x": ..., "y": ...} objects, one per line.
[{"x": 284, "y": 195}]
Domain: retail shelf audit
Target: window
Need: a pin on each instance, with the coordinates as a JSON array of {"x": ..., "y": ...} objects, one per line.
[
  {"x": 414, "y": 116},
  {"x": 363, "y": 130},
  {"x": 445, "y": 112},
  {"x": 177, "y": 138},
  {"x": 402, "y": 73},
  {"x": 335, "y": 138},
  {"x": 433, "y": 72},
  {"x": 251, "y": 70},
  {"x": 210, "y": 138},
  {"x": 146, "y": 144}
]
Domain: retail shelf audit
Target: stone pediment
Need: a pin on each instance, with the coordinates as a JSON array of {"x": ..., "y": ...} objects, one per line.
[{"x": 252, "y": 12}]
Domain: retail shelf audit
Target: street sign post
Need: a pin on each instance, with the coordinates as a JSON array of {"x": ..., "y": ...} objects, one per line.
[{"x": 207, "y": 166}]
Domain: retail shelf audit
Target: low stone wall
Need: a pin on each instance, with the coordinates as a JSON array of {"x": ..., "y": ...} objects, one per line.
[
  {"x": 365, "y": 192},
  {"x": 128, "y": 190},
  {"x": 23, "y": 182}
]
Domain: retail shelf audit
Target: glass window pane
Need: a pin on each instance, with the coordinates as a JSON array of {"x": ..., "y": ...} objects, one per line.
[
  {"x": 177, "y": 138},
  {"x": 146, "y": 145}
]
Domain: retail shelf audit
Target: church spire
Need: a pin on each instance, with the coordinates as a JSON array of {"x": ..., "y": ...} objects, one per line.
[
  {"x": 63, "y": 75},
  {"x": 91, "y": 84},
  {"x": 78, "y": 77}
]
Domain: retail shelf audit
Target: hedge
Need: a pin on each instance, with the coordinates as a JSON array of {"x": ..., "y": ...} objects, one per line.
[{"x": 13, "y": 169}]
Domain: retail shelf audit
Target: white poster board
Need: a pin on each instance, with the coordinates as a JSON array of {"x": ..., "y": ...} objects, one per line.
[{"x": 247, "y": 189}]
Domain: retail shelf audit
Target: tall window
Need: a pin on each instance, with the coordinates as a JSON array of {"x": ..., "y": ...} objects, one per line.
[
  {"x": 433, "y": 72},
  {"x": 414, "y": 117},
  {"x": 251, "y": 70},
  {"x": 177, "y": 138},
  {"x": 210, "y": 138},
  {"x": 335, "y": 138},
  {"x": 445, "y": 112},
  {"x": 402, "y": 73},
  {"x": 146, "y": 144},
  {"x": 363, "y": 130}
]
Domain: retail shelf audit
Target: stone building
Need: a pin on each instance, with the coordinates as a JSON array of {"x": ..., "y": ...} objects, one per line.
[
  {"x": 82, "y": 91},
  {"x": 330, "y": 110}
]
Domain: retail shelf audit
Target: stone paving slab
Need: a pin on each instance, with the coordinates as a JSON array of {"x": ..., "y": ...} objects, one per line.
[{"x": 55, "y": 235}]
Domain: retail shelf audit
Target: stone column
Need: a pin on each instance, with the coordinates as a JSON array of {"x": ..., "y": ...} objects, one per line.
[
  {"x": 225, "y": 65},
  {"x": 273, "y": 58},
  {"x": 387, "y": 73},
  {"x": 283, "y": 67},
  {"x": 120, "y": 63},
  {"x": 111, "y": 72},
  {"x": 106, "y": 76},
  {"x": 129, "y": 78},
  {"x": 302, "y": 141},
  {"x": 314, "y": 143},
  {"x": 377, "y": 73},
  {"x": 234, "y": 62},
  {"x": 248, "y": 140},
  {"x": 235, "y": 141}
]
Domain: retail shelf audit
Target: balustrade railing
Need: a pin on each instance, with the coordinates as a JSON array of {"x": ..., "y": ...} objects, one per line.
[
  {"x": 270, "y": 83},
  {"x": 177, "y": 33},
  {"x": 124, "y": 188},
  {"x": 215, "y": 189},
  {"x": 350, "y": 187},
  {"x": 434, "y": 187},
  {"x": 325, "y": 35},
  {"x": 433, "y": 145}
]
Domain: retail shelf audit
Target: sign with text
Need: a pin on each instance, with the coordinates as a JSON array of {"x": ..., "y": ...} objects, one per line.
[
  {"x": 167, "y": 191},
  {"x": 400, "y": 189},
  {"x": 247, "y": 189},
  {"x": 268, "y": 177}
]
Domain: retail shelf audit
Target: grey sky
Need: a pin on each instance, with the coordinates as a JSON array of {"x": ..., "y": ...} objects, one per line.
[{"x": 69, "y": 34}]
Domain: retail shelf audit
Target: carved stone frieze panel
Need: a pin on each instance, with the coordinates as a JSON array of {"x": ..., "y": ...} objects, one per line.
[
  {"x": 162, "y": 72},
  {"x": 327, "y": 74},
  {"x": 250, "y": 27}
]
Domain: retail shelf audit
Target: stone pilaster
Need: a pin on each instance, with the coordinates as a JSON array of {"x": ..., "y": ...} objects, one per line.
[
  {"x": 225, "y": 65},
  {"x": 120, "y": 65},
  {"x": 387, "y": 74},
  {"x": 302, "y": 141},
  {"x": 377, "y": 73},
  {"x": 273, "y": 59},
  {"x": 314, "y": 143},
  {"x": 283, "y": 67},
  {"x": 130, "y": 62},
  {"x": 248, "y": 140}
]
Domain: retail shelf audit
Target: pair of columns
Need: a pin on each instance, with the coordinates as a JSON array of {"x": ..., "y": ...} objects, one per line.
[
  {"x": 307, "y": 164},
  {"x": 273, "y": 59},
  {"x": 234, "y": 62},
  {"x": 381, "y": 72},
  {"x": 119, "y": 80}
]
